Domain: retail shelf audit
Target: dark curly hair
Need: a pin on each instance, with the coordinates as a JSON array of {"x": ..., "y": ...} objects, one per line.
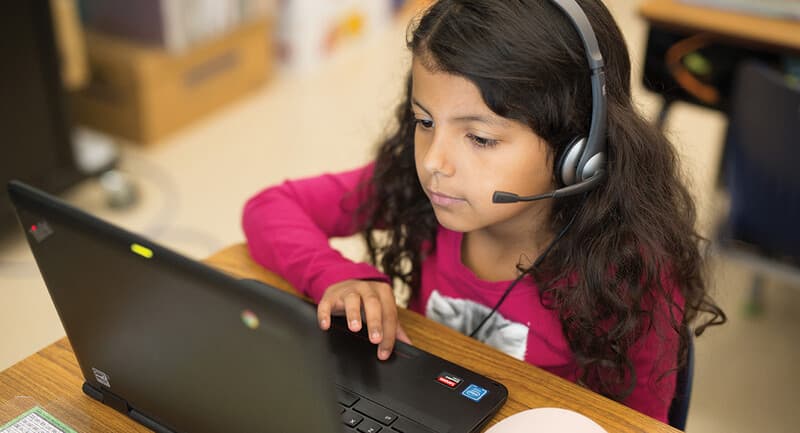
[{"x": 628, "y": 235}]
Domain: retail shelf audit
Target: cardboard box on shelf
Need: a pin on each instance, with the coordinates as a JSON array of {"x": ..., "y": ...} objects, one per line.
[
  {"x": 143, "y": 94},
  {"x": 174, "y": 25}
]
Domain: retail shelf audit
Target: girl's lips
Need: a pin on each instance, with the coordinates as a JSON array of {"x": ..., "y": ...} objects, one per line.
[{"x": 440, "y": 199}]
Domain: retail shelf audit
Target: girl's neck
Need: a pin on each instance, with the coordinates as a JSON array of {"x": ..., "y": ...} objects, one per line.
[{"x": 493, "y": 253}]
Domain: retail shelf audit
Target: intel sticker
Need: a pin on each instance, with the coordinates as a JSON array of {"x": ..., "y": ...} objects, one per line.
[{"x": 474, "y": 392}]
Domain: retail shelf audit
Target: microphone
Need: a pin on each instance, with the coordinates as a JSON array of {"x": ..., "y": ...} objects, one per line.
[{"x": 586, "y": 185}]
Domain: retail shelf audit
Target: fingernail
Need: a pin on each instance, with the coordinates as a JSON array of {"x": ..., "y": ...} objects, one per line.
[
  {"x": 384, "y": 354},
  {"x": 376, "y": 335},
  {"x": 354, "y": 324},
  {"x": 323, "y": 323}
]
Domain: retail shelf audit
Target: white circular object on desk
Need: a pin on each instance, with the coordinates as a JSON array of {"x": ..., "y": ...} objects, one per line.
[{"x": 547, "y": 420}]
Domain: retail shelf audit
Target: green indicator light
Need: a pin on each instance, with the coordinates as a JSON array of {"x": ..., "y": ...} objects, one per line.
[
  {"x": 142, "y": 251},
  {"x": 250, "y": 319}
]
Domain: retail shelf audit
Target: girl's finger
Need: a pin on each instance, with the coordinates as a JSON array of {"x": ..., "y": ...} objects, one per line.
[
  {"x": 390, "y": 324},
  {"x": 352, "y": 309},
  {"x": 373, "y": 313},
  {"x": 402, "y": 336},
  {"x": 324, "y": 314}
]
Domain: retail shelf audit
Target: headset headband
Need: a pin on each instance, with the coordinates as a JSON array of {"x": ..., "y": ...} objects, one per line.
[{"x": 594, "y": 153}]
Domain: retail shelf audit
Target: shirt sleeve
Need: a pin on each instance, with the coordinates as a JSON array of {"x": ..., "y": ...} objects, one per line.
[{"x": 288, "y": 228}]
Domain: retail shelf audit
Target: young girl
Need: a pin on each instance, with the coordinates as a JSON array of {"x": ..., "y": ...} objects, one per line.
[{"x": 598, "y": 287}]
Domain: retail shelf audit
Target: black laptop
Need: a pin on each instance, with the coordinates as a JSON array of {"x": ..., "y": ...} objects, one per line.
[{"x": 181, "y": 347}]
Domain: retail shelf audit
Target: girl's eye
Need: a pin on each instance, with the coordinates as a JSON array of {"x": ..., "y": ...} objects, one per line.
[
  {"x": 424, "y": 123},
  {"x": 482, "y": 142}
]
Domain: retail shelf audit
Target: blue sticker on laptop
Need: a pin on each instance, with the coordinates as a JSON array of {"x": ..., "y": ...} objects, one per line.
[{"x": 474, "y": 392}]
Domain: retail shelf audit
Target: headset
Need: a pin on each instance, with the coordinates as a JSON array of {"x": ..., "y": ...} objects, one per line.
[{"x": 582, "y": 165}]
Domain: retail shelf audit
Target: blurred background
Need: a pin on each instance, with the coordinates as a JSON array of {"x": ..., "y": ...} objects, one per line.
[{"x": 165, "y": 116}]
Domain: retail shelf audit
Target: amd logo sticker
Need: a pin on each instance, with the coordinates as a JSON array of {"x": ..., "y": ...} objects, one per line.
[{"x": 449, "y": 380}]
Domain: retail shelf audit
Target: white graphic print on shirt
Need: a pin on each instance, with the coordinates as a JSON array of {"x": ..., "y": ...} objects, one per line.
[{"x": 464, "y": 316}]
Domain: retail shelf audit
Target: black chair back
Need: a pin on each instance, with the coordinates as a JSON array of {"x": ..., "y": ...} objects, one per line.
[
  {"x": 679, "y": 408},
  {"x": 762, "y": 161}
]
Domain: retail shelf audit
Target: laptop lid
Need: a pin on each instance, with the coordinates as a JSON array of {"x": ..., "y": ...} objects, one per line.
[
  {"x": 179, "y": 346},
  {"x": 171, "y": 342}
]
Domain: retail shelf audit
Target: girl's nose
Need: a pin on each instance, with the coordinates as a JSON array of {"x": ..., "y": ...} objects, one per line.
[{"x": 437, "y": 160}]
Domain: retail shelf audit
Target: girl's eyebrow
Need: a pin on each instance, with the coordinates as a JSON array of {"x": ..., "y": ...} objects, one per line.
[
  {"x": 465, "y": 118},
  {"x": 421, "y": 107}
]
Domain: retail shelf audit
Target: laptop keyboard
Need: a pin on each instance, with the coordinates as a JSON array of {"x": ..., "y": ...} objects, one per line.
[{"x": 363, "y": 416}]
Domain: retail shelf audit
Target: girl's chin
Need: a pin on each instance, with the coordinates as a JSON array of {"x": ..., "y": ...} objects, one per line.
[{"x": 451, "y": 222}]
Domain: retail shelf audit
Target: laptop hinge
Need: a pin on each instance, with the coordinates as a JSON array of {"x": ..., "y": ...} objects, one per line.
[
  {"x": 147, "y": 422},
  {"x": 115, "y": 402}
]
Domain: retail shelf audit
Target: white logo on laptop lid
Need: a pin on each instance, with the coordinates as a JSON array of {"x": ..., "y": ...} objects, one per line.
[{"x": 101, "y": 377}]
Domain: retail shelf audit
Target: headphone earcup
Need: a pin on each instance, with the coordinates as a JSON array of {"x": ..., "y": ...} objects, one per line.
[{"x": 567, "y": 166}]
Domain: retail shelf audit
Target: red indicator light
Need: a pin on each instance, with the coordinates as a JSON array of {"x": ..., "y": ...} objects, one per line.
[
  {"x": 446, "y": 381},
  {"x": 33, "y": 228}
]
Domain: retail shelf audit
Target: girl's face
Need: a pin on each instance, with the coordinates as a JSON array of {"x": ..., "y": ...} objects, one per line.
[{"x": 464, "y": 152}]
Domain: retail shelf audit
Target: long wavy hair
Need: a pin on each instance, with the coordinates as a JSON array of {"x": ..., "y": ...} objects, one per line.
[{"x": 628, "y": 235}]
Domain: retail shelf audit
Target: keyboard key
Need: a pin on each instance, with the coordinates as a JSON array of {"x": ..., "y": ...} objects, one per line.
[
  {"x": 351, "y": 418},
  {"x": 369, "y": 426},
  {"x": 346, "y": 398},
  {"x": 372, "y": 410}
]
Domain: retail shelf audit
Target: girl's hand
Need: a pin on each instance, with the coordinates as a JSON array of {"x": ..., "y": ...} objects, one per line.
[{"x": 379, "y": 306}]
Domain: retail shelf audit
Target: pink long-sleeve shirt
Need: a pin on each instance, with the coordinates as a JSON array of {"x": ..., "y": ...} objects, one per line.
[{"x": 288, "y": 228}]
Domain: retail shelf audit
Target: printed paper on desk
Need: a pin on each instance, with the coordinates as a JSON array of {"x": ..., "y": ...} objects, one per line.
[
  {"x": 36, "y": 420},
  {"x": 547, "y": 420}
]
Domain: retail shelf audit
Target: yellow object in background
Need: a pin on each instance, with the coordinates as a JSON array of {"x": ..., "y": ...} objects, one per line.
[
  {"x": 312, "y": 31},
  {"x": 70, "y": 43},
  {"x": 353, "y": 24}
]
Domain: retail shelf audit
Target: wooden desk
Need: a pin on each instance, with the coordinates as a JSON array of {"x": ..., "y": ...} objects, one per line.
[
  {"x": 52, "y": 378},
  {"x": 750, "y": 30}
]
